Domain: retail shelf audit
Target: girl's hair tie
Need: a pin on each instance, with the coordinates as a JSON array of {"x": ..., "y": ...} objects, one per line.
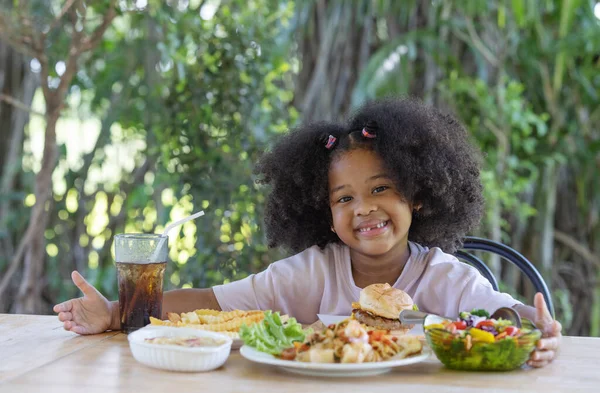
[
  {"x": 369, "y": 130},
  {"x": 330, "y": 142},
  {"x": 367, "y": 134}
]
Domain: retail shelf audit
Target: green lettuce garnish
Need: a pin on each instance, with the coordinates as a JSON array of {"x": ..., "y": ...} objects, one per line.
[
  {"x": 271, "y": 335},
  {"x": 480, "y": 313}
]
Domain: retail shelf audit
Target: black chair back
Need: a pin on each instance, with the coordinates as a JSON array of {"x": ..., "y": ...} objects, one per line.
[{"x": 507, "y": 253}]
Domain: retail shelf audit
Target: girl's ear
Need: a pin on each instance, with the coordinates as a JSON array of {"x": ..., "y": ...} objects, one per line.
[{"x": 417, "y": 206}]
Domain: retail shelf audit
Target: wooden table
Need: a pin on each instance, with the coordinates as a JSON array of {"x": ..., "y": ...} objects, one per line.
[{"x": 37, "y": 355}]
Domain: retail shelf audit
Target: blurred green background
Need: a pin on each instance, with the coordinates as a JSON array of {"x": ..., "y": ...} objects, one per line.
[{"x": 124, "y": 116}]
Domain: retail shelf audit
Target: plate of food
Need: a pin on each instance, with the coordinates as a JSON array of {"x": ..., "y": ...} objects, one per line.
[{"x": 346, "y": 349}]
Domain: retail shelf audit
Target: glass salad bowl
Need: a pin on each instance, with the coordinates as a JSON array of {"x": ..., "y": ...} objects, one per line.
[{"x": 493, "y": 346}]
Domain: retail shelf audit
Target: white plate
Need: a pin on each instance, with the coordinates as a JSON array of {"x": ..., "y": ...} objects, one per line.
[{"x": 332, "y": 369}]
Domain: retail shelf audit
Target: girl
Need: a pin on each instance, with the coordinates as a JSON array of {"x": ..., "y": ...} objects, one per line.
[{"x": 374, "y": 201}]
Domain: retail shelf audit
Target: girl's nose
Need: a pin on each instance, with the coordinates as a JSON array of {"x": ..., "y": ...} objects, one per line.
[{"x": 365, "y": 207}]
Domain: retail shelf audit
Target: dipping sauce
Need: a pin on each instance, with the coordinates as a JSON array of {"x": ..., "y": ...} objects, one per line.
[{"x": 189, "y": 342}]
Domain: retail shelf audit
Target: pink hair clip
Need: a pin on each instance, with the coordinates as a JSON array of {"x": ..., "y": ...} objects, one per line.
[
  {"x": 330, "y": 141},
  {"x": 367, "y": 134}
]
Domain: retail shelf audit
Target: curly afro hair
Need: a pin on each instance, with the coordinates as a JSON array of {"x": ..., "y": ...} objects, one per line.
[{"x": 428, "y": 156}]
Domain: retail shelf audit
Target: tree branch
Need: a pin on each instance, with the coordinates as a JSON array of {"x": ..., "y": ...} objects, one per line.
[
  {"x": 498, "y": 133},
  {"x": 57, "y": 20},
  {"x": 44, "y": 74},
  {"x": 93, "y": 40},
  {"x": 19, "y": 39},
  {"x": 547, "y": 88},
  {"x": 27, "y": 32},
  {"x": 577, "y": 247},
  {"x": 16, "y": 261},
  {"x": 18, "y": 104},
  {"x": 80, "y": 45},
  {"x": 478, "y": 42},
  {"x": 71, "y": 64}
]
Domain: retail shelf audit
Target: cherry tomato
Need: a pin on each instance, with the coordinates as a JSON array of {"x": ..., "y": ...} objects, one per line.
[
  {"x": 511, "y": 330},
  {"x": 456, "y": 325},
  {"x": 460, "y": 325}
]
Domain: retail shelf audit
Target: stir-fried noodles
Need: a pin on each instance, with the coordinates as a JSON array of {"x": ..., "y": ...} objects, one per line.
[{"x": 352, "y": 342}]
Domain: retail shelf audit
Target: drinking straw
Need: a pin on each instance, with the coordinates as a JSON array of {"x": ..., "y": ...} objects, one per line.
[{"x": 171, "y": 226}]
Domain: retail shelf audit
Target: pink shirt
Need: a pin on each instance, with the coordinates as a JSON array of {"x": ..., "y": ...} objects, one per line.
[{"x": 318, "y": 281}]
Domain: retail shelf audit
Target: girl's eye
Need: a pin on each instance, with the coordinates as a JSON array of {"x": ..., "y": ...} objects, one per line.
[
  {"x": 379, "y": 189},
  {"x": 345, "y": 199}
]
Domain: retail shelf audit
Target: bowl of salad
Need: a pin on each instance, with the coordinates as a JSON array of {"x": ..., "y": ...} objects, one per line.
[{"x": 476, "y": 342}]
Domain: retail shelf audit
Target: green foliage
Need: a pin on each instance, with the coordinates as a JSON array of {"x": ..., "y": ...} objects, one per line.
[
  {"x": 508, "y": 131},
  {"x": 563, "y": 304},
  {"x": 197, "y": 99}
]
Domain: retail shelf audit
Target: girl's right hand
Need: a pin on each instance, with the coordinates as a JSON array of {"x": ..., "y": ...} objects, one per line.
[{"x": 90, "y": 314}]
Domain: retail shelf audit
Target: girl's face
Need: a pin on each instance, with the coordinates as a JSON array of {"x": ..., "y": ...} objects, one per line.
[{"x": 369, "y": 215}]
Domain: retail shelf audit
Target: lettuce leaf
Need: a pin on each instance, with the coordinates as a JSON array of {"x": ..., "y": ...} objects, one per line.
[
  {"x": 480, "y": 313},
  {"x": 271, "y": 335}
]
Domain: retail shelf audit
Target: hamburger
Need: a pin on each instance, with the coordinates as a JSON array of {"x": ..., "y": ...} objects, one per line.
[{"x": 379, "y": 306}]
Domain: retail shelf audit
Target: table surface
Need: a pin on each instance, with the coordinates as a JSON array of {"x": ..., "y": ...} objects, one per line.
[{"x": 36, "y": 354}]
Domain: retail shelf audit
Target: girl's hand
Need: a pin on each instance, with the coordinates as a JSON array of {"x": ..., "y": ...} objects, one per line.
[
  {"x": 90, "y": 314},
  {"x": 547, "y": 347}
]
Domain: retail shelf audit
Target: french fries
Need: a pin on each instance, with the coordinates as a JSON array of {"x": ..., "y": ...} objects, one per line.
[{"x": 224, "y": 322}]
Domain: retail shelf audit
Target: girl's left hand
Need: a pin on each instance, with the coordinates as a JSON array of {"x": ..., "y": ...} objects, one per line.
[{"x": 547, "y": 347}]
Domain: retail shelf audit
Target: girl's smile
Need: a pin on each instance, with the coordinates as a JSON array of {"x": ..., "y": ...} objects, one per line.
[{"x": 372, "y": 228}]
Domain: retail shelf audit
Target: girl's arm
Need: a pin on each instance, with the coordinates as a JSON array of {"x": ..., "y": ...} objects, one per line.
[{"x": 185, "y": 300}]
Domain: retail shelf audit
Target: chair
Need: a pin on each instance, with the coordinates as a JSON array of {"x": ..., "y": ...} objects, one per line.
[{"x": 507, "y": 253}]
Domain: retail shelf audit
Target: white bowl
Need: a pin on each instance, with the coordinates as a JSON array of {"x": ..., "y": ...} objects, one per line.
[{"x": 174, "y": 357}]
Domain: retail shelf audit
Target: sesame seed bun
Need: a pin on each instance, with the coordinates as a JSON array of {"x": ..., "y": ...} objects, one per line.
[
  {"x": 380, "y": 305},
  {"x": 384, "y": 301}
]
